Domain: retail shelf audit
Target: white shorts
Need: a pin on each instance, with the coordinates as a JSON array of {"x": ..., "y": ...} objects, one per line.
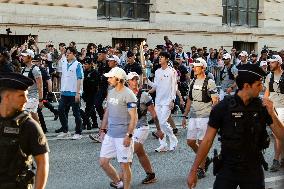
[
  {"x": 280, "y": 112},
  {"x": 113, "y": 147},
  {"x": 141, "y": 134},
  {"x": 32, "y": 105},
  {"x": 196, "y": 128}
]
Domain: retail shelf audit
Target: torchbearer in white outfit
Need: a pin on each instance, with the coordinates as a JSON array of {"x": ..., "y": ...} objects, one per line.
[{"x": 165, "y": 84}]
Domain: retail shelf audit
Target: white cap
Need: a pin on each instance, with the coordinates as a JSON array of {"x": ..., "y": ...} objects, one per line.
[
  {"x": 200, "y": 62},
  {"x": 263, "y": 63},
  {"x": 130, "y": 75},
  {"x": 243, "y": 53},
  {"x": 28, "y": 52},
  {"x": 227, "y": 56},
  {"x": 115, "y": 58},
  {"x": 275, "y": 58},
  {"x": 116, "y": 72}
]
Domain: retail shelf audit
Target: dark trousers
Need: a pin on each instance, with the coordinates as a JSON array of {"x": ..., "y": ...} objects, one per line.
[
  {"x": 228, "y": 178},
  {"x": 99, "y": 99},
  {"x": 40, "y": 115},
  {"x": 90, "y": 112},
  {"x": 65, "y": 103}
]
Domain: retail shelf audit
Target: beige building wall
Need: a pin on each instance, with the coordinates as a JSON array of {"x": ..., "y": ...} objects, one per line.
[{"x": 184, "y": 21}]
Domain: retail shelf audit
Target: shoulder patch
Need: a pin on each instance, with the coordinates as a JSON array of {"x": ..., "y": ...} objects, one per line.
[{"x": 132, "y": 105}]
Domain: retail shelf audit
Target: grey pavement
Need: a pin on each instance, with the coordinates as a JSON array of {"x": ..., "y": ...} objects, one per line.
[{"x": 74, "y": 164}]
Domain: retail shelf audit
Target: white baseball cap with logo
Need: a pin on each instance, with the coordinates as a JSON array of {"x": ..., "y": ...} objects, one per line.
[
  {"x": 275, "y": 58},
  {"x": 263, "y": 63},
  {"x": 227, "y": 56},
  {"x": 114, "y": 57},
  {"x": 131, "y": 75},
  {"x": 28, "y": 52},
  {"x": 200, "y": 62},
  {"x": 243, "y": 53},
  {"x": 116, "y": 72}
]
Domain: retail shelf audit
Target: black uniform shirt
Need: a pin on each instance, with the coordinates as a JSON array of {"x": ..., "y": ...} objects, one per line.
[
  {"x": 220, "y": 115},
  {"x": 135, "y": 67},
  {"x": 32, "y": 139},
  {"x": 91, "y": 82},
  {"x": 102, "y": 69},
  {"x": 236, "y": 150},
  {"x": 45, "y": 77}
]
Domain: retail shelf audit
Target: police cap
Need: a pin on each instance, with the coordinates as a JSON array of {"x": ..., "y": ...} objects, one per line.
[
  {"x": 250, "y": 72},
  {"x": 102, "y": 50},
  {"x": 15, "y": 81},
  {"x": 87, "y": 60},
  {"x": 130, "y": 54}
]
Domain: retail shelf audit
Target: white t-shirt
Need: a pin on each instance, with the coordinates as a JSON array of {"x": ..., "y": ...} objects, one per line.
[{"x": 165, "y": 82}]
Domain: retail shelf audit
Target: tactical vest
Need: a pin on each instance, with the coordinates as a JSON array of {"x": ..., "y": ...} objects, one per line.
[
  {"x": 30, "y": 74},
  {"x": 14, "y": 163},
  {"x": 280, "y": 85},
  {"x": 139, "y": 111},
  {"x": 229, "y": 71},
  {"x": 205, "y": 96},
  {"x": 244, "y": 137}
]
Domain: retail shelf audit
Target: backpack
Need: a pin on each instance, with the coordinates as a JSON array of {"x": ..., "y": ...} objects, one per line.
[
  {"x": 30, "y": 74},
  {"x": 205, "y": 96},
  {"x": 281, "y": 83},
  {"x": 231, "y": 75}
]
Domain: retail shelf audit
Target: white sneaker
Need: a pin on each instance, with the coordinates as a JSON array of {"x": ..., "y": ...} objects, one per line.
[
  {"x": 118, "y": 185},
  {"x": 63, "y": 135},
  {"x": 161, "y": 149},
  {"x": 173, "y": 147},
  {"x": 77, "y": 137},
  {"x": 95, "y": 137}
]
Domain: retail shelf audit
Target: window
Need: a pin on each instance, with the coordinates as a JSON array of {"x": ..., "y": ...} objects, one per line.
[
  {"x": 124, "y": 9},
  {"x": 127, "y": 42},
  {"x": 240, "y": 12},
  {"x": 9, "y": 41},
  {"x": 247, "y": 46}
]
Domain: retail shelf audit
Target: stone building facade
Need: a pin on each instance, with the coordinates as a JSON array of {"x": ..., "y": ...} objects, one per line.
[{"x": 211, "y": 23}]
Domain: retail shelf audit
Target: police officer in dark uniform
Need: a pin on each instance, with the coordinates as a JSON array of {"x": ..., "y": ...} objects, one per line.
[
  {"x": 102, "y": 67},
  {"x": 21, "y": 137},
  {"x": 241, "y": 121},
  {"x": 90, "y": 89}
]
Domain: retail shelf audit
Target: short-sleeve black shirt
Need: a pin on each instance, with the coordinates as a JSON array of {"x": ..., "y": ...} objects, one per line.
[
  {"x": 32, "y": 139},
  {"x": 220, "y": 114}
]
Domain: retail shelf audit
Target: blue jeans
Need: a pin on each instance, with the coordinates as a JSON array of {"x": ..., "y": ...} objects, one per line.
[{"x": 65, "y": 103}]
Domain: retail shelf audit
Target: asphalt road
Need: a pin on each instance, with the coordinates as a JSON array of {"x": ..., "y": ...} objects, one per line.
[{"x": 74, "y": 164}]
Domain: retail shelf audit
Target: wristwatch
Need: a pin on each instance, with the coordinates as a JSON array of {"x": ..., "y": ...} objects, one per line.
[
  {"x": 185, "y": 117},
  {"x": 40, "y": 100},
  {"x": 129, "y": 135}
]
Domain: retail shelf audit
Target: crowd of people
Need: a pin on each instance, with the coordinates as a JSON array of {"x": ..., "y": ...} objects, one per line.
[{"x": 119, "y": 85}]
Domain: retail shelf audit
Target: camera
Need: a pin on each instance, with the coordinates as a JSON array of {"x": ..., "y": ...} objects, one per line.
[{"x": 8, "y": 30}]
